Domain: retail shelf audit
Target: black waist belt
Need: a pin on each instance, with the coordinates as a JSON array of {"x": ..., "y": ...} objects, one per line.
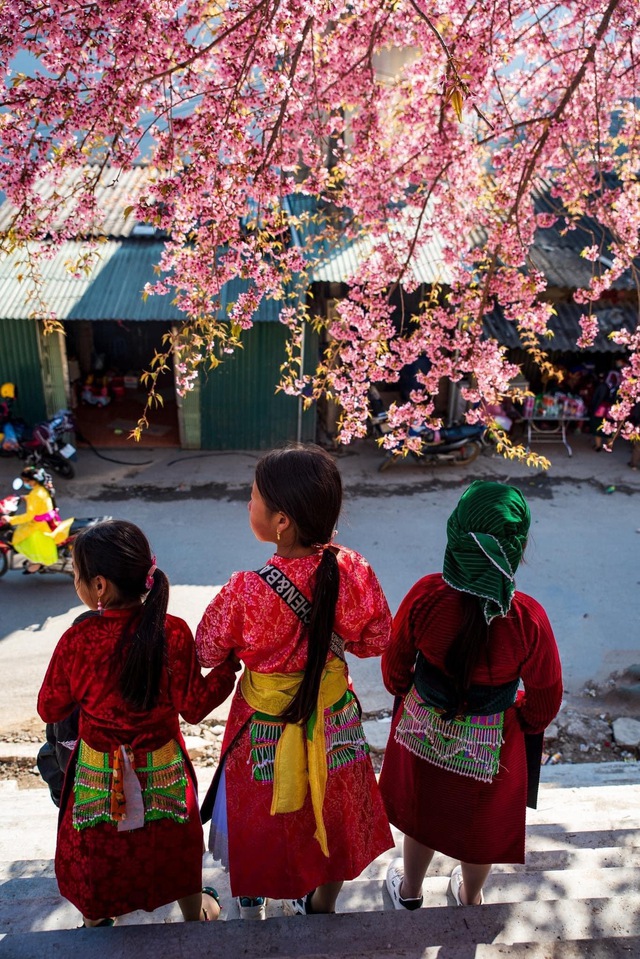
[{"x": 437, "y": 690}]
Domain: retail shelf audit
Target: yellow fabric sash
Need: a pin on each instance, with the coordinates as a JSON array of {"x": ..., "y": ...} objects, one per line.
[{"x": 301, "y": 757}]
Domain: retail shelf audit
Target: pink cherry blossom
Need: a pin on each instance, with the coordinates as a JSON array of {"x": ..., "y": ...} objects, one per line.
[{"x": 281, "y": 133}]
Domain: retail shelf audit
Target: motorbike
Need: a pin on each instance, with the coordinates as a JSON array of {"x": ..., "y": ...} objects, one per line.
[
  {"x": 63, "y": 532},
  {"x": 456, "y": 445},
  {"x": 47, "y": 447},
  {"x": 11, "y": 429}
]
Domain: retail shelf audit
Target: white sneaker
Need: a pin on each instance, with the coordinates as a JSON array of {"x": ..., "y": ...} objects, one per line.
[
  {"x": 295, "y": 907},
  {"x": 395, "y": 875},
  {"x": 454, "y": 887},
  {"x": 252, "y": 908}
]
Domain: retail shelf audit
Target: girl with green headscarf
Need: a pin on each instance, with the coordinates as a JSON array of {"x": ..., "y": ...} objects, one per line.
[{"x": 454, "y": 777}]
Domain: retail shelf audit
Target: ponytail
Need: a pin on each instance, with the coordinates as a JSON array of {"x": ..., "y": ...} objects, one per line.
[
  {"x": 304, "y": 483},
  {"x": 322, "y": 617},
  {"x": 464, "y": 652},
  {"x": 144, "y": 648},
  {"x": 119, "y": 551}
]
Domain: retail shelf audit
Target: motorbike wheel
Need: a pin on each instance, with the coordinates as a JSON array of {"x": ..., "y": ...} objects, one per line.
[
  {"x": 4, "y": 562},
  {"x": 62, "y": 467},
  {"x": 467, "y": 453}
]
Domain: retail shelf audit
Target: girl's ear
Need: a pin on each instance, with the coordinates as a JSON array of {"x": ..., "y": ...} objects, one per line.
[
  {"x": 100, "y": 586},
  {"x": 282, "y": 522}
]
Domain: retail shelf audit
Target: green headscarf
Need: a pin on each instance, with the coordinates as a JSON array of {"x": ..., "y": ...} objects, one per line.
[{"x": 486, "y": 536}]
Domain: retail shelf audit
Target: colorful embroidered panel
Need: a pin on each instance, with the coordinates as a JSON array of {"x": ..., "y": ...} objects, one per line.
[
  {"x": 468, "y": 745},
  {"x": 163, "y": 781},
  {"x": 165, "y": 789},
  {"x": 265, "y": 735},
  {"x": 92, "y": 788},
  {"x": 344, "y": 734},
  {"x": 344, "y": 738}
]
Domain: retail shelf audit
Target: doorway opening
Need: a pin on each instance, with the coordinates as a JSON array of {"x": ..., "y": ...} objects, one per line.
[{"x": 106, "y": 359}]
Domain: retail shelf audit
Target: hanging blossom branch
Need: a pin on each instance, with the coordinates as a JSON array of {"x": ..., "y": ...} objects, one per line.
[
  {"x": 307, "y": 128},
  {"x": 461, "y": 88}
]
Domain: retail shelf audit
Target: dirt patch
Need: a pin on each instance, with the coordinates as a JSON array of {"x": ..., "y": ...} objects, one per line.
[
  {"x": 583, "y": 729},
  {"x": 24, "y": 771}
]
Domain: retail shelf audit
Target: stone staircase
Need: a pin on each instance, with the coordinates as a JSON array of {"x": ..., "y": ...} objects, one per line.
[{"x": 577, "y": 896}]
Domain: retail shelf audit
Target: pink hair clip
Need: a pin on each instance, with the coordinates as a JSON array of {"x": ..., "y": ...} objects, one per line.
[{"x": 149, "y": 580}]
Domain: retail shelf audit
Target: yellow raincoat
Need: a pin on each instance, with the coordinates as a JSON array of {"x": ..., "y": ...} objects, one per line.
[{"x": 32, "y": 537}]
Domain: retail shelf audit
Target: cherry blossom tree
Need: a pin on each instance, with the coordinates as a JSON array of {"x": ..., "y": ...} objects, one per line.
[{"x": 405, "y": 122}]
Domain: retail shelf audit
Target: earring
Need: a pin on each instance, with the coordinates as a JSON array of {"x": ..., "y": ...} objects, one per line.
[
  {"x": 99, "y": 607},
  {"x": 278, "y": 535}
]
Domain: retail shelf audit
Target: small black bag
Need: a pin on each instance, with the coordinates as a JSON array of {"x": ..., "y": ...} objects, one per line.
[{"x": 54, "y": 755}]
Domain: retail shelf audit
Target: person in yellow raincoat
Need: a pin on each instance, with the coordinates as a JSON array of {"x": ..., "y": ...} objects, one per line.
[{"x": 33, "y": 537}]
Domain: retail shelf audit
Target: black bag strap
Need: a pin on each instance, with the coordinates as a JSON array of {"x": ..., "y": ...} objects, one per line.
[{"x": 296, "y": 601}]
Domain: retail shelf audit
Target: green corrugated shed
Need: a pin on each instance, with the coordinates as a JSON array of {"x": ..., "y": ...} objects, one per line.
[
  {"x": 239, "y": 406},
  {"x": 20, "y": 363}
]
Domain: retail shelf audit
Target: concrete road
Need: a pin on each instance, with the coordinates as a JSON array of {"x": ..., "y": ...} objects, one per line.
[{"x": 581, "y": 563}]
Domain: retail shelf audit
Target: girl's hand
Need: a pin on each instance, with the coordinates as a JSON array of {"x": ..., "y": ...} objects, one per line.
[{"x": 235, "y": 662}]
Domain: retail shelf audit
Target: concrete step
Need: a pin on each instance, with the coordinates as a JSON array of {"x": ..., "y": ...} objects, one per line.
[
  {"x": 32, "y": 903},
  {"x": 598, "y": 929},
  {"x": 579, "y": 888}
]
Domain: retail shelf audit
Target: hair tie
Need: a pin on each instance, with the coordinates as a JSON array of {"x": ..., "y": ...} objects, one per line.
[
  {"x": 328, "y": 544},
  {"x": 149, "y": 580}
]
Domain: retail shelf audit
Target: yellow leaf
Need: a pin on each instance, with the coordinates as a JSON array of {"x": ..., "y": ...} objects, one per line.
[{"x": 456, "y": 102}]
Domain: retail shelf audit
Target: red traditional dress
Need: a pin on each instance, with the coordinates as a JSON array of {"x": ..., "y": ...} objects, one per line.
[
  {"x": 102, "y": 870},
  {"x": 277, "y": 855},
  {"x": 460, "y": 815}
]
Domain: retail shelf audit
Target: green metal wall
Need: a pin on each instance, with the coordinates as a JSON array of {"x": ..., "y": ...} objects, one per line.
[
  {"x": 20, "y": 363},
  {"x": 190, "y": 418},
  {"x": 54, "y": 371},
  {"x": 239, "y": 406}
]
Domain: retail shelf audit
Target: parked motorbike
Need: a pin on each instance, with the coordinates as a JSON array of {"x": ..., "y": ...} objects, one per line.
[
  {"x": 64, "y": 533},
  {"x": 11, "y": 429},
  {"x": 47, "y": 447},
  {"x": 456, "y": 445}
]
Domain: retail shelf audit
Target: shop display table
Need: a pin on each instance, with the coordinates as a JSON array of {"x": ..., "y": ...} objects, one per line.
[{"x": 550, "y": 429}]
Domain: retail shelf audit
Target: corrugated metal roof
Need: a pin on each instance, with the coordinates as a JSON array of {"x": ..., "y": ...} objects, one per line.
[
  {"x": 116, "y": 190},
  {"x": 340, "y": 263},
  {"x": 110, "y": 290},
  {"x": 337, "y": 261},
  {"x": 563, "y": 267},
  {"x": 566, "y": 327},
  {"x": 556, "y": 250}
]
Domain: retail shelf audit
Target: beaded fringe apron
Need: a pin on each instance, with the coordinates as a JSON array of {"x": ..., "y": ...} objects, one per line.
[
  {"x": 162, "y": 779},
  {"x": 345, "y": 745},
  {"x": 467, "y": 745}
]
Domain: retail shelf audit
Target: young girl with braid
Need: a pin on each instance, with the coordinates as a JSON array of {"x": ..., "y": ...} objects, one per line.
[
  {"x": 455, "y": 772},
  {"x": 295, "y": 806},
  {"x": 129, "y": 832}
]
